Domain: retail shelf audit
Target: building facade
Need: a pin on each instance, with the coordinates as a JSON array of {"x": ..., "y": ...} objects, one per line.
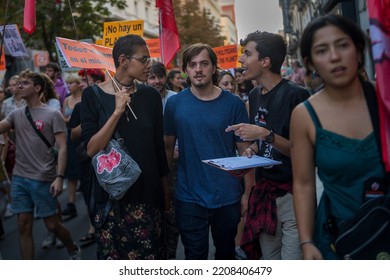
[
  {"x": 298, "y": 13},
  {"x": 228, "y": 22},
  {"x": 139, "y": 10}
]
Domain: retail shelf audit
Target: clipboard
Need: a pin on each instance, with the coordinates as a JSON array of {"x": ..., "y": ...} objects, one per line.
[{"x": 238, "y": 163}]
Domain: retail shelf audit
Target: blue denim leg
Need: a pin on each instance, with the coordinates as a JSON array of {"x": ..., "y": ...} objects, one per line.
[
  {"x": 224, "y": 222},
  {"x": 192, "y": 222},
  {"x": 28, "y": 193}
]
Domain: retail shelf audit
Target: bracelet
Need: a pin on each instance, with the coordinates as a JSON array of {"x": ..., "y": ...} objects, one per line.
[
  {"x": 60, "y": 176},
  {"x": 252, "y": 149},
  {"x": 309, "y": 241}
]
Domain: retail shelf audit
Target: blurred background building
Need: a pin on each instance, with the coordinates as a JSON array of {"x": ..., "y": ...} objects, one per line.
[{"x": 295, "y": 13}]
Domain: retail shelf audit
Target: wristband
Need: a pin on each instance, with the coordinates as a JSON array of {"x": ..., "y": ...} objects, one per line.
[
  {"x": 60, "y": 176},
  {"x": 252, "y": 149},
  {"x": 309, "y": 241}
]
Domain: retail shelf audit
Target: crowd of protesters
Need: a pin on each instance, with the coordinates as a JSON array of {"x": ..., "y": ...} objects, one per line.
[{"x": 172, "y": 120}]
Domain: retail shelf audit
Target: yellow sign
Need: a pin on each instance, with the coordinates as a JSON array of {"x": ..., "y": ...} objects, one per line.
[
  {"x": 115, "y": 29},
  {"x": 239, "y": 52}
]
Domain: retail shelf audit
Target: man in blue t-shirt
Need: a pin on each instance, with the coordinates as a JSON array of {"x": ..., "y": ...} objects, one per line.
[{"x": 205, "y": 196}]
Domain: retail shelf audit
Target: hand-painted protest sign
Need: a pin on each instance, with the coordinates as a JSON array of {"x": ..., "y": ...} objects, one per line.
[
  {"x": 62, "y": 62},
  {"x": 13, "y": 42},
  {"x": 227, "y": 56},
  {"x": 85, "y": 55},
  {"x": 115, "y": 29},
  {"x": 239, "y": 53},
  {"x": 154, "y": 47}
]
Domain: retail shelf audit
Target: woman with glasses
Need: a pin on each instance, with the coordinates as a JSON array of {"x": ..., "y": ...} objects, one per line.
[{"x": 132, "y": 227}]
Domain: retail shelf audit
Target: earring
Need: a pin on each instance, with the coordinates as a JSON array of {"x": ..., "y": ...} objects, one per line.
[
  {"x": 125, "y": 66},
  {"x": 315, "y": 73}
]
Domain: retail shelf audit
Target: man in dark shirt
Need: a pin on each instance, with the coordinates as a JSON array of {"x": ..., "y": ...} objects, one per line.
[{"x": 270, "y": 218}]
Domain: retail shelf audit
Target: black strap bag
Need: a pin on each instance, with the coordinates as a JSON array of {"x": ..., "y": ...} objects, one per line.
[{"x": 367, "y": 235}]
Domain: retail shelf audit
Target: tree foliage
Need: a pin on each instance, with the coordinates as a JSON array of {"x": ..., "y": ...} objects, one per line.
[
  {"x": 196, "y": 26},
  {"x": 54, "y": 19}
]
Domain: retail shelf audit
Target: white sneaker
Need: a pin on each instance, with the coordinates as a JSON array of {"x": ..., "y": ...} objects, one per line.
[
  {"x": 48, "y": 241},
  {"x": 76, "y": 254},
  {"x": 8, "y": 211},
  {"x": 240, "y": 254},
  {"x": 59, "y": 243}
]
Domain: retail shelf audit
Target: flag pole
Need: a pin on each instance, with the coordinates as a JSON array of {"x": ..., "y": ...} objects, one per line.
[{"x": 161, "y": 36}]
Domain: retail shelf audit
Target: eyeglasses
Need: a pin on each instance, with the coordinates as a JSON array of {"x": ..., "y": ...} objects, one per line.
[
  {"x": 144, "y": 60},
  {"x": 23, "y": 83}
]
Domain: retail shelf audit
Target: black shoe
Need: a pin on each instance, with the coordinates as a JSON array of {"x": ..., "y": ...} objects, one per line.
[{"x": 70, "y": 210}]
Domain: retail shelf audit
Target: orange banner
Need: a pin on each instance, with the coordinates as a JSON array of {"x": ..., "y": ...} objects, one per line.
[
  {"x": 41, "y": 59},
  {"x": 154, "y": 47},
  {"x": 227, "y": 56},
  {"x": 85, "y": 55},
  {"x": 2, "y": 61}
]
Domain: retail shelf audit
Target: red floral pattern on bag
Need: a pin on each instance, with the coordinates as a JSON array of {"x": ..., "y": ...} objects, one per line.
[{"x": 108, "y": 161}]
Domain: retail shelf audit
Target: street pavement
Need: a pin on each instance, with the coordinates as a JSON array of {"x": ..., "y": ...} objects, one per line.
[{"x": 78, "y": 226}]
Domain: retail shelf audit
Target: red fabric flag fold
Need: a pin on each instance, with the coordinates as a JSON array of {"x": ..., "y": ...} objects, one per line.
[
  {"x": 29, "y": 21},
  {"x": 169, "y": 36},
  {"x": 379, "y": 11}
]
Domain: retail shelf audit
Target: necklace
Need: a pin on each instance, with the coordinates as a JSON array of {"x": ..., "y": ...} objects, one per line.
[{"x": 127, "y": 87}]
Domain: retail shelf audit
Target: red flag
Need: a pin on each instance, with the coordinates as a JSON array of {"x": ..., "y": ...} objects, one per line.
[
  {"x": 379, "y": 11},
  {"x": 29, "y": 21},
  {"x": 169, "y": 36}
]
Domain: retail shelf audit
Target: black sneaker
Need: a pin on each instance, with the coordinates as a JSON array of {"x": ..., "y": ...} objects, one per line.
[{"x": 70, "y": 210}]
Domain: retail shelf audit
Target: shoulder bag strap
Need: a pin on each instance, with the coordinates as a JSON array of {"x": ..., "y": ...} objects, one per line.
[
  {"x": 94, "y": 87},
  {"x": 372, "y": 103},
  {"x": 28, "y": 115}
]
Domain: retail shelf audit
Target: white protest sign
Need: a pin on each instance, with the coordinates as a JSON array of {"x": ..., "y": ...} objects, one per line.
[{"x": 13, "y": 42}]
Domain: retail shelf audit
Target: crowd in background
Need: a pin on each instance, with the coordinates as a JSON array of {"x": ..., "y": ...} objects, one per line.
[{"x": 182, "y": 115}]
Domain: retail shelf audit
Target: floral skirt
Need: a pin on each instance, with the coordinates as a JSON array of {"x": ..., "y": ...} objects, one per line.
[{"x": 131, "y": 232}]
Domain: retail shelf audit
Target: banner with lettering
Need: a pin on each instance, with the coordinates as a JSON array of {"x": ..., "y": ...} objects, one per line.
[
  {"x": 113, "y": 30},
  {"x": 227, "y": 56},
  {"x": 13, "y": 42},
  {"x": 154, "y": 47},
  {"x": 85, "y": 55}
]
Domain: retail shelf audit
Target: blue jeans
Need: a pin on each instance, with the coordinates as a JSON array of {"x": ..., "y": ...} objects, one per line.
[
  {"x": 193, "y": 222},
  {"x": 29, "y": 193}
]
